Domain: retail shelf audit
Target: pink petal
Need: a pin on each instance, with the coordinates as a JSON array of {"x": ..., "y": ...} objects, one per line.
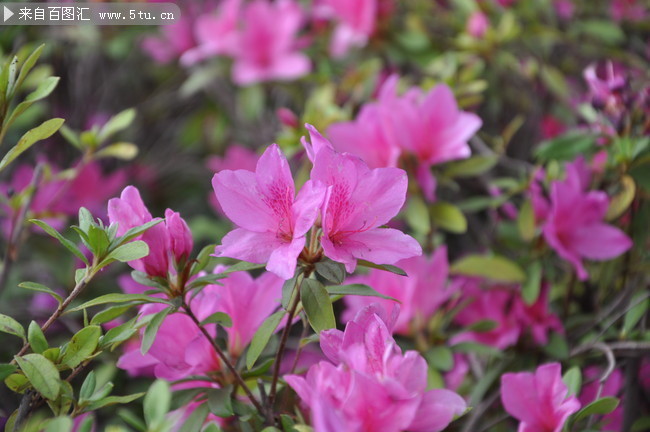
[
  {"x": 381, "y": 246},
  {"x": 248, "y": 246},
  {"x": 600, "y": 241},
  {"x": 437, "y": 409}
]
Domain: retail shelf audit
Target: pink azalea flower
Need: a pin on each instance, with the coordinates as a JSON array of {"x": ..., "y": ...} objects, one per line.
[
  {"x": 612, "y": 387},
  {"x": 170, "y": 242},
  {"x": 371, "y": 384},
  {"x": 538, "y": 400},
  {"x": 266, "y": 44},
  {"x": 236, "y": 157},
  {"x": 606, "y": 84},
  {"x": 421, "y": 293},
  {"x": 575, "y": 228},
  {"x": 174, "y": 40},
  {"x": 564, "y": 8},
  {"x": 455, "y": 377},
  {"x": 359, "y": 201},
  {"x": 631, "y": 10},
  {"x": 477, "y": 24},
  {"x": 505, "y": 306},
  {"x": 428, "y": 127},
  {"x": 216, "y": 33},
  {"x": 356, "y": 23},
  {"x": 272, "y": 221}
]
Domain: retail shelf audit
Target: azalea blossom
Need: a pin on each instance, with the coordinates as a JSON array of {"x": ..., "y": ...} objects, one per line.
[
  {"x": 574, "y": 227},
  {"x": 359, "y": 201},
  {"x": 538, "y": 400},
  {"x": 421, "y": 293},
  {"x": 266, "y": 46},
  {"x": 369, "y": 384},
  {"x": 356, "y": 21},
  {"x": 272, "y": 221},
  {"x": 429, "y": 128},
  {"x": 170, "y": 242}
]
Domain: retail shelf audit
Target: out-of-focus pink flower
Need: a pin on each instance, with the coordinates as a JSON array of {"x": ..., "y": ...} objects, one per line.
[
  {"x": 169, "y": 242},
  {"x": 216, "y": 33},
  {"x": 266, "y": 44},
  {"x": 612, "y": 387},
  {"x": 574, "y": 227},
  {"x": 477, "y": 24},
  {"x": 174, "y": 40},
  {"x": 235, "y": 158},
  {"x": 248, "y": 302},
  {"x": 564, "y": 8},
  {"x": 428, "y": 127},
  {"x": 371, "y": 384},
  {"x": 627, "y": 10},
  {"x": 538, "y": 400},
  {"x": 551, "y": 127},
  {"x": 454, "y": 378},
  {"x": 606, "y": 84},
  {"x": 356, "y": 22},
  {"x": 421, "y": 293},
  {"x": 504, "y": 306},
  {"x": 359, "y": 201},
  {"x": 506, "y": 3},
  {"x": 272, "y": 221},
  {"x": 82, "y": 420}
]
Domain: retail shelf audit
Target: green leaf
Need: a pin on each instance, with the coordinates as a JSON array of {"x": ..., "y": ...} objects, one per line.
[
  {"x": 623, "y": 199},
  {"x": 565, "y": 147},
  {"x": 440, "y": 357},
  {"x": 220, "y": 318},
  {"x": 42, "y": 374},
  {"x": 11, "y": 326},
  {"x": 156, "y": 403},
  {"x": 417, "y": 215},
  {"x": 119, "y": 298},
  {"x": 113, "y": 400},
  {"x": 152, "y": 328},
  {"x": 88, "y": 387},
  {"x": 41, "y": 288},
  {"x": 220, "y": 403},
  {"x": 44, "y": 89},
  {"x": 290, "y": 290},
  {"x": 64, "y": 241},
  {"x": 6, "y": 370},
  {"x": 355, "y": 289},
  {"x": 331, "y": 270},
  {"x": 478, "y": 348},
  {"x": 81, "y": 346},
  {"x": 17, "y": 383},
  {"x": 262, "y": 336},
  {"x": 599, "y": 407},
  {"x": 557, "y": 347},
  {"x": 136, "y": 231},
  {"x": 117, "y": 123},
  {"x": 482, "y": 326},
  {"x": 97, "y": 240},
  {"x": 492, "y": 267},
  {"x": 119, "y": 150},
  {"x": 36, "y": 338},
  {"x": 384, "y": 267},
  {"x": 634, "y": 315},
  {"x": 202, "y": 259},
  {"x": 31, "y": 137},
  {"x": 59, "y": 424},
  {"x": 473, "y": 166},
  {"x": 317, "y": 304},
  {"x": 448, "y": 217},
  {"x": 109, "y": 314},
  {"x": 195, "y": 421},
  {"x": 129, "y": 252},
  {"x": 531, "y": 287},
  {"x": 573, "y": 380},
  {"x": 526, "y": 221},
  {"x": 120, "y": 333},
  {"x": 27, "y": 66},
  {"x": 242, "y": 266}
]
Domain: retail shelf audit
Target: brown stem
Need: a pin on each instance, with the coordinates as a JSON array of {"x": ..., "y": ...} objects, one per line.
[
  {"x": 11, "y": 252},
  {"x": 283, "y": 344},
  {"x": 223, "y": 358}
]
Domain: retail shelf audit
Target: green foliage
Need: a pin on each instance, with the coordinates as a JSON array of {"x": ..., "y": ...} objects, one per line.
[
  {"x": 492, "y": 267},
  {"x": 262, "y": 336},
  {"x": 317, "y": 304}
]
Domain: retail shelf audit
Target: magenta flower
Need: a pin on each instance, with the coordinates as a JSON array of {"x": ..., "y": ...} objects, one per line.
[
  {"x": 215, "y": 33},
  {"x": 421, "y": 294},
  {"x": 429, "y": 128},
  {"x": 359, "y": 201},
  {"x": 538, "y": 400},
  {"x": 169, "y": 242},
  {"x": 537, "y": 318},
  {"x": 356, "y": 23},
  {"x": 174, "y": 40},
  {"x": 631, "y": 10},
  {"x": 272, "y": 221},
  {"x": 612, "y": 387},
  {"x": 574, "y": 227},
  {"x": 371, "y": 384},
  {"x": 477, "y": 24},
  {"x": 266, "y": 44}
]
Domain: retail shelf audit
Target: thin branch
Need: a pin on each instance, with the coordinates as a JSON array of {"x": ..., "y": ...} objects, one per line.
[{"x": 223, "y": 358}]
